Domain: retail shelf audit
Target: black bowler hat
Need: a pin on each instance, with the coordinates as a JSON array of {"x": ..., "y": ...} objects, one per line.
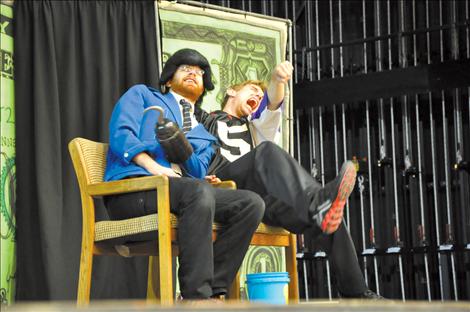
[{"x": 186, "y": 57}]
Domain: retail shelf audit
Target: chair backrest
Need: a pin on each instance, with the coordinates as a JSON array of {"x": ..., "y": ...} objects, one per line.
[{"x": 89, "y": 160}]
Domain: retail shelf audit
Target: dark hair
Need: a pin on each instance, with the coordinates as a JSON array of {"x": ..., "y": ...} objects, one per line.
[{"x": 186, "y": 57}]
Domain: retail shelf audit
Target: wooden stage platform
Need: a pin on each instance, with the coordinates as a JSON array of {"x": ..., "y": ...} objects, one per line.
[{"x": 317, "y": 306}]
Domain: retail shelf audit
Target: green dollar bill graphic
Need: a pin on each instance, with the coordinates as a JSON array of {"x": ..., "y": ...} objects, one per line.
[{"x": 7, "y": 193}]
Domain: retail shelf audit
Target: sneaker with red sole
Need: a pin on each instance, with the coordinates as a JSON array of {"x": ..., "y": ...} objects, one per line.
[{"x": 328, "y": 204}]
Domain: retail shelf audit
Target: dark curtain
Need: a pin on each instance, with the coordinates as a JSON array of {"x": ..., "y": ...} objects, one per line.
[{"x": 73, "y": 61}]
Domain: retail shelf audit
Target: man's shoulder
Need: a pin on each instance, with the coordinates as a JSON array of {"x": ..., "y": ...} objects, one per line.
[
  {"x": 203, "y": 116},
  {"x": 230, "y": 120},
  {"x": 216, "y": 116},
  {"x": 148, "y": 91},
  {"x": 218, "y": 113},
  {"x": 142, "y": 88},
  {"x": 139, "y": 88}
]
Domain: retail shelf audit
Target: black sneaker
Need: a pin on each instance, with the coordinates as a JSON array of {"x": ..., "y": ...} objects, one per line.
[
  {"x": 369, "y": 294},
  {"x": 366, "y": 295},
  {"x": 328, "y": 204}
]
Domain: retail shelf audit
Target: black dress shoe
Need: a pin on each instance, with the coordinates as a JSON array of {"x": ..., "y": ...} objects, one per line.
[
  {"x": 369, "y": 294},
  {"x": 366, "y": 295}
]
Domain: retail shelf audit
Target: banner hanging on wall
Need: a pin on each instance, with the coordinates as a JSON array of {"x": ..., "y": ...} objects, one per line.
[
  {"x": 7, "y": 215},
  {"x": 238, "y": 47}
]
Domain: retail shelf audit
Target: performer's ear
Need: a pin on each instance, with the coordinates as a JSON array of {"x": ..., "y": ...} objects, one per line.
[{"x": 231, "y": 92}]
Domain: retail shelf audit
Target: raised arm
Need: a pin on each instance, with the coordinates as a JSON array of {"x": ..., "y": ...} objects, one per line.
[{"x": 280, "y": 76}]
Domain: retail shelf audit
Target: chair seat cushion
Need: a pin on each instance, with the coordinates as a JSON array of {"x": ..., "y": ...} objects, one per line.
[
  {"x": 142, "y": 228},
  {"x": 106, "y": 230}
]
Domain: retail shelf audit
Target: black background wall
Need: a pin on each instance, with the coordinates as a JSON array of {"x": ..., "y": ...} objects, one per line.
[
  {"x": 416, "y": 183},
  {"x": 73, "y": 61}
]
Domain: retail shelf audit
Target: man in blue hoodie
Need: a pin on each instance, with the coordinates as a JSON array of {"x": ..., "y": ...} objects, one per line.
[{"x": 206, "y": 269}]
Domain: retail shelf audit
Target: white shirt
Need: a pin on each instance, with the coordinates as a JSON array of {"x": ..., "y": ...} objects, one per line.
[
  {"x": 176, "y": 168},
  {"x": 267, "y": 126},
  {"x": 178, "y": 98}
]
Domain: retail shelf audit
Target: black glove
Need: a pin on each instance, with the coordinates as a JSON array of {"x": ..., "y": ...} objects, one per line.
[{"x": 175, "y": 144}]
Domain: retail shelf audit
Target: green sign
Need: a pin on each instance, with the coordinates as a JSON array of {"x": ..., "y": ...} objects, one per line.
[{"x": 7, "y": 215}]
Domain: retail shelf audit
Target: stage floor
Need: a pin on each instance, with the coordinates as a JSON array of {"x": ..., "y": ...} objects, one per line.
[{"x": 317, "y": 306}]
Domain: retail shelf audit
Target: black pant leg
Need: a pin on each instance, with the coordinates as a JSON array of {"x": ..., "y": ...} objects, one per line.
[
  {"x": 345, "y": 264},
  {"x": 193, "y": 202},
  {"x": 269, "y": 170},
  {"x": 239, "y": 212},
  {"x": 277, "y": 213},
  {"x": 339, "y": 245}
]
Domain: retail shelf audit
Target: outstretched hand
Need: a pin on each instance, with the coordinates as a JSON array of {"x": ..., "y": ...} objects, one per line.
[{"x": 282, "y": 73}]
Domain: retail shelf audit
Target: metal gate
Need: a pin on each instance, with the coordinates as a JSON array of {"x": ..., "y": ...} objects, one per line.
[{"x": 386, "y": 83}]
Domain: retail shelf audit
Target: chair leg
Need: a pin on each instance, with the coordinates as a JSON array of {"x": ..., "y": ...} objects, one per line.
[
  {"x": 84, "y": 278},
  {"x": 164, "y": 246},
  {"x": 291, "y": 264},
  {"x": 153, "y": 283},
  {"x": 234, "y": 291}
]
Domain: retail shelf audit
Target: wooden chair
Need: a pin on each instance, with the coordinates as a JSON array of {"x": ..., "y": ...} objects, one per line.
[{"x": 109, "y": 237}]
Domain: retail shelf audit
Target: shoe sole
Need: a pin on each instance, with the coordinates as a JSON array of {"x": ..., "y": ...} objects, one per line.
[{"x": 334, "y": 216}]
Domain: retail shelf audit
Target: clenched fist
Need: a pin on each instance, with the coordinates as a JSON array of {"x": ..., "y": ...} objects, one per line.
[{"x": 282, "y": 72}]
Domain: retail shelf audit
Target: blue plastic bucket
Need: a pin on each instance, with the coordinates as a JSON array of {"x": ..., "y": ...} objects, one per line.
[{"x": 269, "y": 287}]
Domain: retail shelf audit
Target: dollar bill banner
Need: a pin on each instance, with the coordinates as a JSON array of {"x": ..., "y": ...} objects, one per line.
[
  {"x": 238, "y": 47},
  {"x": 7, "y": 212}
]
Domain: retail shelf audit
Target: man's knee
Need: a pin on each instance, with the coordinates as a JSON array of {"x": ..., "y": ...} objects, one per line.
[
  {"x": 267, "y": 147},
  {"x": 200, "y": 195},
  {"x": 268, "y": 150},
  {"x": 254, "y": 205}
]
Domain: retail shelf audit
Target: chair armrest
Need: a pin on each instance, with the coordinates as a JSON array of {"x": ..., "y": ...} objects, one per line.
[
  {"x": 139, "y": 184},
  {"x": 229, "y": 184},
  {"x": 127, "y": 185}
]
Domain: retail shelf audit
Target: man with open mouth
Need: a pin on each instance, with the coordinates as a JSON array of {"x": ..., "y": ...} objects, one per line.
[{"x": 246, "y": 129}]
